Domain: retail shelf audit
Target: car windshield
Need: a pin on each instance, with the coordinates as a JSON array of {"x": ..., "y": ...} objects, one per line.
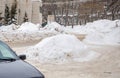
[{"x": 6, "y": 52}]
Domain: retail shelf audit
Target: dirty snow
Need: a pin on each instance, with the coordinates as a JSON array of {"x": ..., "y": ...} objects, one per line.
[
  {"x": 22, "y": 33},
  {"x": 59, "y": 49}
]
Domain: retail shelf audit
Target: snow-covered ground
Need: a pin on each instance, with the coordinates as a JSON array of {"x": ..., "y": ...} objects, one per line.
[
  {"x": 97, "y": 32},
  {"x": 83, "y": 58},
  {"x": 63, "y": 47}
]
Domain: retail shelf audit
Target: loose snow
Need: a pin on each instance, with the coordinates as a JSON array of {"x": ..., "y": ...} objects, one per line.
[{"x": 59, "y": 49}]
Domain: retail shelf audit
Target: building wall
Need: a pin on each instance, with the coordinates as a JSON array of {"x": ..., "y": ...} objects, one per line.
[
  {"x": 9, "y": 3},
  {"x": 24, "y": 7},
  {"x": 36, "y": 15},
  {"x": 31, "y": 7},
  {"x": 2, "y": 7},
  {"x": 51, "y": 18}
]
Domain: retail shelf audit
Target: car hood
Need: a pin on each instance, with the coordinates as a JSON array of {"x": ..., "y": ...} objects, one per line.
[{"x": 18, "y": 69}]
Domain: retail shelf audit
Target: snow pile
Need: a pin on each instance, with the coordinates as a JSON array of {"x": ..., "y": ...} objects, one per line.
[
  {"x": 7, "y": 32},
  {"x": 101, "y": 26},
  {"x": 54, "y": 26},
  {"x": 26, "y": 32},
  {"x": 78, "y": 29},
  {"x": 28, "y": 27},
  {"x": 8, "y": 28},
  {"x": 104, "y": 32},
  {"x": 98, "y": 32},
  {"x": 113, "y": 36},
  {"x": 60, "y": 48}
]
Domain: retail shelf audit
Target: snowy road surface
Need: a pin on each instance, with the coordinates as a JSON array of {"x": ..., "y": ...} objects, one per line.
[
  {"x": 105, "y": 66},
  {"x": 104, "y": 34}
]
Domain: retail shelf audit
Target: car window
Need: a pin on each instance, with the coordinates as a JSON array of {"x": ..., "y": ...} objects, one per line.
[{"x": 6, "y": 51}]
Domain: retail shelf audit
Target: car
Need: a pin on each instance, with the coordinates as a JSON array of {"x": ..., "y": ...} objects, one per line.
[{"x": 13, "y": 66}]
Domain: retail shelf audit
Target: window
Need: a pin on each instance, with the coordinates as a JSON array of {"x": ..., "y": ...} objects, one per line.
[{"x": 6, "y": 51}]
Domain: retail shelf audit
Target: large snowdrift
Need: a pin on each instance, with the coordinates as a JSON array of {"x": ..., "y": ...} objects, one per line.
[
  {"x": 104, "y": 32},
  {"x": 26, "y": 32},
  {"x": 60, "y": 48},
  {"x": 98, "y": 32}
]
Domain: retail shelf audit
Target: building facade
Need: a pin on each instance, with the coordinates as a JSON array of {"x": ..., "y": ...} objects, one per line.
[{"x": 31, "y": 8}]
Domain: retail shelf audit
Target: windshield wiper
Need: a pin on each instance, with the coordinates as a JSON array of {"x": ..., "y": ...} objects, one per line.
[{"x": 8, "y": 59}]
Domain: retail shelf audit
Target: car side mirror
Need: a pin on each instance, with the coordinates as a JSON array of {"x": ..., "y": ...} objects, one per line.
[{"x": 22, "y": 57}]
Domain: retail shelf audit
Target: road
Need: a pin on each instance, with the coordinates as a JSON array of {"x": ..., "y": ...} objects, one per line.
[{"x": 107, "y": 65}]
